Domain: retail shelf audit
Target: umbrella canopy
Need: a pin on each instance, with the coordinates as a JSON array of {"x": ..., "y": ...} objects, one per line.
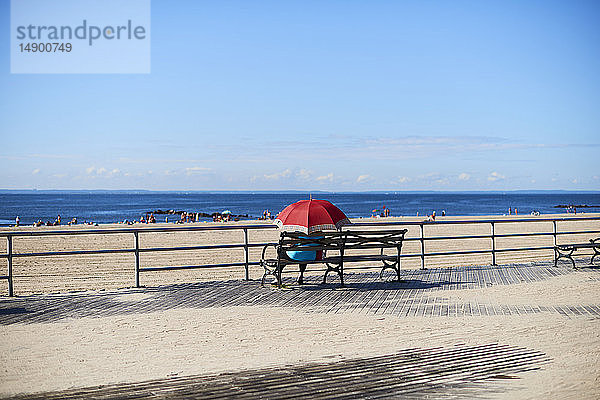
[
  {"x": 226, "y": 212},
  {"x": 311, "y": 216}
]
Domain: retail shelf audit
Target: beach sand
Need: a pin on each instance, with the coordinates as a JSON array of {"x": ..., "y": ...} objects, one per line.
[{"x": 80, "y": 352}]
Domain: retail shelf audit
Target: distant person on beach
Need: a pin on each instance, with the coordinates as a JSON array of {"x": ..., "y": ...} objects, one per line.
[
  {"x": 443, "y": 213},
  {"x": 17, "y": 220},
  {"x": 509, "y": 210},
  {"x": 385, "y": 211},
  {"x": 57, "y": 220},
  {"x": 431, "y": 218}
]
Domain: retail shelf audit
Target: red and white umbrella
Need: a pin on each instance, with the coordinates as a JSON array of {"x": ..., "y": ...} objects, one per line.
[{"x": 311, "y": 216}]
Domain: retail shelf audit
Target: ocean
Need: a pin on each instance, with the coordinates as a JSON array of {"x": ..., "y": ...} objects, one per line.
[{"x": 110, "y": 207}]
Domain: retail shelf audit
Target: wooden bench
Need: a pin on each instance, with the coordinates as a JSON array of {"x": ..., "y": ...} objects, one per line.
[
  {"x": 337, "y": 248},
  {"x": 567, "y": 250}
]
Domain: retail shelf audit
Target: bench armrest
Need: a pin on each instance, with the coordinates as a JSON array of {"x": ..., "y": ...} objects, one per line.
[{"x": 264, "y": 250}]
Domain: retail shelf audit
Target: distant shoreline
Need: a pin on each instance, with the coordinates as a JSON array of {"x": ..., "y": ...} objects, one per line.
[
  {"x": 141, "y": 191},
  {"x": 411, "y": 218}
]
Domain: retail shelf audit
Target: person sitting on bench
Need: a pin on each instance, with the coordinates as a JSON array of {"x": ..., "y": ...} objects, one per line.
[{"x": 305, "y": 255}]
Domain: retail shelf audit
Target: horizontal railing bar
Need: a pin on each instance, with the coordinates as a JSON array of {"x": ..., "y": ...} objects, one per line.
[
  {"x": 74, "y": 252},
  {"x": 273, "y": 226},
  {"x": 4, "y": 277},
  {"x": 450, "y": 253},
  {"x": 117, "y": 251},
  {"x": 202, "y": 247},
  {"x": 450, "y": 237},
  {"x": 133, "y": 230},
  {"x": 575, "y": 232},
  {"x": 501, "y": 235},
  {"x": 241, "y": 264},
  {"x": 527, "y": 248},
  {"x": 474, "y": 221}
]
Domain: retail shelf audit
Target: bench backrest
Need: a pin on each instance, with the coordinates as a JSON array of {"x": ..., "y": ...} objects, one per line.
[
  {"x": 373, "y": 239},
  {"x": 344, "y": 240}
]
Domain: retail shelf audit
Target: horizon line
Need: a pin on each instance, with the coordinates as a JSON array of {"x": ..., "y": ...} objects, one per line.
[{"x": 591, "y": 191}]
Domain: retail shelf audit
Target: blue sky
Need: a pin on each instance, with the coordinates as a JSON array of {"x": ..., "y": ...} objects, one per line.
[{"x": 322, "y": 95}]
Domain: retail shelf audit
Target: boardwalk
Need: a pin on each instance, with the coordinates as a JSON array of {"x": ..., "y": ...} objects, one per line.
[
  {"x": 364, "y": 292},
  {"x": 469, "y": 370}
]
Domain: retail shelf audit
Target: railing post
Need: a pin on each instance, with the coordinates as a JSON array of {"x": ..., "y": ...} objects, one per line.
[
  {"x": 422, "y": 247},
  {"x": 554, "y": 231},
  {"x": 246, "y": 253},
  {"x": 9, "y": 258},
  {"x": 493, "y": 244},
  {"x": 137, "y": 259}
]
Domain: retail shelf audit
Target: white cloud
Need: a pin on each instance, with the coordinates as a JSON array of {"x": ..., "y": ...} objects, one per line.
[
  {"x": 325, "y": 178},
  {"x": 194, "y": 170},
  {"x": 35, "y": 171},
  {"x": 495, "y": 176},
  {"x": 279, "y": 175},
  {"x": 363, "y": 179},
  {"x": 574, "y": 181},
  {"x": 464, "y": 176},
  {"x": 403, "y": 179},
  {"x": 304, "y": 174},
  {"x": 102, "y": 172}
]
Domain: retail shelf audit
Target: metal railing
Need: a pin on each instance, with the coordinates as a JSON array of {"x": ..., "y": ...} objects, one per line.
[
  {"x": 136, "y": 250},
  {"x": 493, "y": 235},
  {"x": 422, "y": 238}
]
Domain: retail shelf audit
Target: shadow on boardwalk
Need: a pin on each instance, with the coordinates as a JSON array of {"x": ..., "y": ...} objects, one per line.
[
  {"x": 419, "y": 294},
  {"x": 441, "y": 373}
]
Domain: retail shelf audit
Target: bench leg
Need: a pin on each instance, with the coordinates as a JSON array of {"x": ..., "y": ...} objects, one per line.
[
  {"x": 267, "y": 272},
  {"x": 339, "y": 270},
  {"x": 301, "y": 277},
  {"x": 325, "y": 276},
  {"x": 279, "y": 268},
  {"x": 568, "y": 254},
  {"x": 395, "y": 267}
]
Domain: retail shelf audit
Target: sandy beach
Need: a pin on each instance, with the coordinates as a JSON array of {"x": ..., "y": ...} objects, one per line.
[
  {"x": 97, "y": 348},
  {"x": 112, "y": 271}
]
